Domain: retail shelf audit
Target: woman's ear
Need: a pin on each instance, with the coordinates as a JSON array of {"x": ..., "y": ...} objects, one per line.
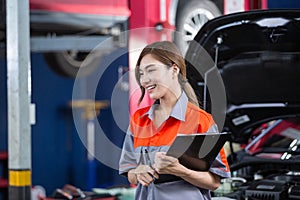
[{"x": 176, "y": 69}]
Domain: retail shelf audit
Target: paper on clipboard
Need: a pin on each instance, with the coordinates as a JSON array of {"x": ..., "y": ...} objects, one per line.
[{"x": 197, "y": 151}]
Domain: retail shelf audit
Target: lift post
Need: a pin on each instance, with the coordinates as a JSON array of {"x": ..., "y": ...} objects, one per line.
[{"x": 19, "y": 95}]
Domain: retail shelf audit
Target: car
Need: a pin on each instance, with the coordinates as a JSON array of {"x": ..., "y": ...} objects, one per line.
[
  {"x": 52, "y": 22},
  {"x": 253, "y": 60}
]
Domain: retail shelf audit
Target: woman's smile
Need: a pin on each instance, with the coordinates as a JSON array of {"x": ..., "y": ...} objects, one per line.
[{"x": 150, "y": 88}]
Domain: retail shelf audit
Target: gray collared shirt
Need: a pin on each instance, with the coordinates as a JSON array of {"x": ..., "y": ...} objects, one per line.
[{"x": 131, "y": 157}]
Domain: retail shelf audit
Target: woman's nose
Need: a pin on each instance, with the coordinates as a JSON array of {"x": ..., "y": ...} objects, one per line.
[{"x": 144, "y": 79}]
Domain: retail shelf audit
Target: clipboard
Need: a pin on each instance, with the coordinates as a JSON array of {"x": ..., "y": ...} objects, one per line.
[{"x": 198, "y": 151}]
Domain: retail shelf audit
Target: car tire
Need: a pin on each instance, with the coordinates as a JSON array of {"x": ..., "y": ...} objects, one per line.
[
  {"x": 191, "y": 16},
  {"x": 68, "y": 63}
]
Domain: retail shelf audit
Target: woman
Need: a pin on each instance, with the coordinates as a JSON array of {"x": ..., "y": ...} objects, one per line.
[{"x": 161, "y": 71}]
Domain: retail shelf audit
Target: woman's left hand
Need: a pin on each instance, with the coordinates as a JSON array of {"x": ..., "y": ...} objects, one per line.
[{"x": 164, "y": 164}]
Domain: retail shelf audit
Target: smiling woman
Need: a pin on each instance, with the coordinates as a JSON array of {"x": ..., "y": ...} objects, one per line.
[
  {"x": 156, "y": 77},
  {"x": 167, "y": 56},
  {"x": 161, "y": 71}
]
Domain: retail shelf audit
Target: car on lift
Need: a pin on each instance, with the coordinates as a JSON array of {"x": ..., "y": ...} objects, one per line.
[
  {"x": 58, "y": 19},
  {"x": 255, "y": 58},
  {"x": 52, "y": 19}
]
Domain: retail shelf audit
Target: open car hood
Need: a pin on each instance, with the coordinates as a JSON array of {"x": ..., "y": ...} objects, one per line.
[{"x": 257, "y": 54}]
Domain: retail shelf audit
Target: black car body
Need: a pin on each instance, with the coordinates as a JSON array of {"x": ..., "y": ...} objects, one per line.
[{"x": 257, "y": 56}]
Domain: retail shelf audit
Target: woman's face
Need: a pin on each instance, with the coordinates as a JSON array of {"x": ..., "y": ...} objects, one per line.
[{"x": 157, "y": 78}]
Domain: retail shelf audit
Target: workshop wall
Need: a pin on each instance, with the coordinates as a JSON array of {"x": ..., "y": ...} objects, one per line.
[
  {"x": 3, "y": 106},
  {"x": 3, "y": 128},
  {"x": 58, "y": 155},
  {"x": 52, "y": 136},
  {"x": 286, "y": 4}
]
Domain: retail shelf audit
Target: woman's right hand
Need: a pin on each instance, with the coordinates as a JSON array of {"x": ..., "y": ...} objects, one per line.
[{"x": 144, "y": 175}]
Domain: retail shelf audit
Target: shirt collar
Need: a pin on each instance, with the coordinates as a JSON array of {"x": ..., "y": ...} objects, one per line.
[{"x": 178, "y": 111}]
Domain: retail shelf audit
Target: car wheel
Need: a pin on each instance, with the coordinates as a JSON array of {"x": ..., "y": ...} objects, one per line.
[
  {"x": 191, "y": 16},
  {"x": 68, "y": 63}
]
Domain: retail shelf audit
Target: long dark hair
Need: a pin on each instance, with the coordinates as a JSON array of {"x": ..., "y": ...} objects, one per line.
[{"x": 167, "y": 53}]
